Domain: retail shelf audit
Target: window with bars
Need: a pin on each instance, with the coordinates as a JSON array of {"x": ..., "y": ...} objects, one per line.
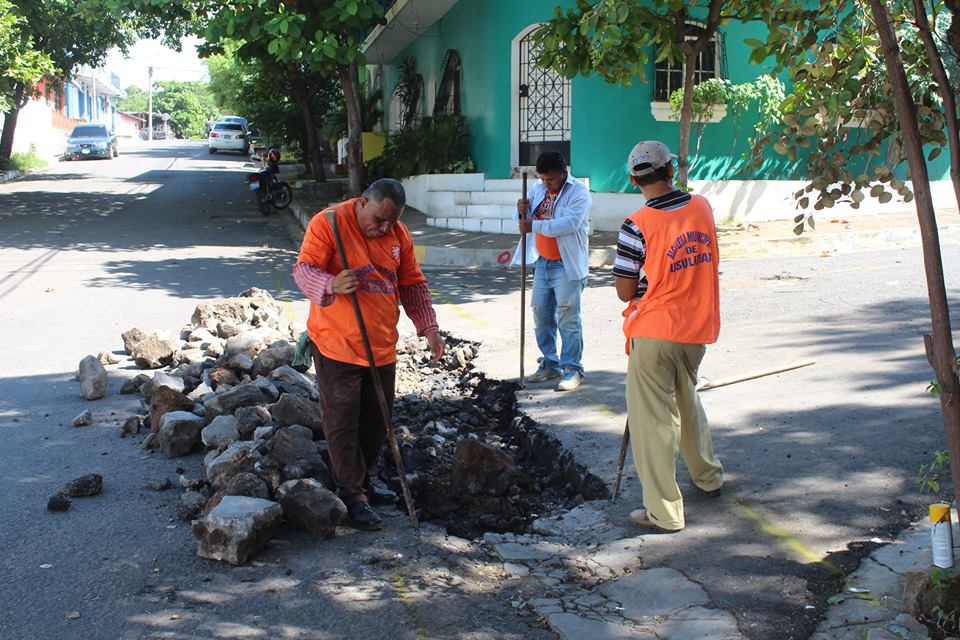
[{"x": 668, "y": 76}]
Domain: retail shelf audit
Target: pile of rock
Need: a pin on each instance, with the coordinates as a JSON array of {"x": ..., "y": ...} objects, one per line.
[{"x": 229, "y": 386}]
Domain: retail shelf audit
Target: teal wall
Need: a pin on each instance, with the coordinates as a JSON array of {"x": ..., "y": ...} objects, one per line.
[{"x": 606, "y": 119}]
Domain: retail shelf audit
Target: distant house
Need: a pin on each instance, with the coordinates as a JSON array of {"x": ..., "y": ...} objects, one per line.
[
  {"x": 129, "y": 126},
  {"x": 91, "y": 95},
  {"x": 476, "y": 58}
]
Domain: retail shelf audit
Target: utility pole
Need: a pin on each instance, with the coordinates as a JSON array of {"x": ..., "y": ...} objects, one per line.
[
  {"x": 94, "y": 110},
  {"x": 150, "y": 104}
]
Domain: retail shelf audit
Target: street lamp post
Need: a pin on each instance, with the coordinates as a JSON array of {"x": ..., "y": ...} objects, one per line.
[{"x": 150, "y": 104}]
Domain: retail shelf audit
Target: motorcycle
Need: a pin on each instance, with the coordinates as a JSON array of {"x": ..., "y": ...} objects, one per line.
[{"x": 272, "y": 193}]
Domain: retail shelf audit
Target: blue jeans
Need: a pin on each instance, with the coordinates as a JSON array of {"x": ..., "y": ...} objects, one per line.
[{"x": 556, "y": 308}]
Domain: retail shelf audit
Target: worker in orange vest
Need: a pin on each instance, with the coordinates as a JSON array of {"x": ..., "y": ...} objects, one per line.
[{"x": 666, "y": 271}]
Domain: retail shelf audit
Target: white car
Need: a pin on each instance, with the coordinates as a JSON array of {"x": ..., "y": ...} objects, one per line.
[
  {"x": 235, "y": 120},
  {"x": 228, "y": 136}
]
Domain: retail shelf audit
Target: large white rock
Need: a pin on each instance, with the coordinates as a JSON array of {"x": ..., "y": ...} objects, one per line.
[
  {"x": 179, "y": 432},
  {"x": 237, "y": 457},
  {"x": 248, "y": 343},
  {"x": 93, "y": 378},
  {"x": 222, "y": 431},
  {"x": 236, "y": 528}
]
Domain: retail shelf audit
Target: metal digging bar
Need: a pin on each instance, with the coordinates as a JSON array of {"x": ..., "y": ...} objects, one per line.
[
  {"x": 621, "y": 460},
  {"x": 377, "y": 385},
  {"x": 523, "y": 283}
]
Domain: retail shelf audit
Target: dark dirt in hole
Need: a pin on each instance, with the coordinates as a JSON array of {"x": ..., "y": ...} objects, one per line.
[{"x": 438, "y": 410}]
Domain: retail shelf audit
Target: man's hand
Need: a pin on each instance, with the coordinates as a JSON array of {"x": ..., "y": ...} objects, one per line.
[
  {"x": 436, "y": 344},
  {"x": 525, "y": 225},
  {"x": 345, "y": 282},
  {"x": 523, "y": 207}
]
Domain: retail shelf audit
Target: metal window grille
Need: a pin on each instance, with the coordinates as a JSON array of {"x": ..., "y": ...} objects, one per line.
[
  {"x": 668, "y": 76},
  {"x": 448, "y": 93},
  {"x": 544, "y": 106}
]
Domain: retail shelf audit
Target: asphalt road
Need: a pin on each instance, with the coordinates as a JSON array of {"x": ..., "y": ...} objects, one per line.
[
  {"x": 819, "y": 460},
  {"x": 88, "y": 250}
]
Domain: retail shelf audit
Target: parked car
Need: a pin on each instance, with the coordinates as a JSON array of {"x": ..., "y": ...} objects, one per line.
[
  {"x": 91, "y": 141},
  {"x": 228, "y": 136},
  {"x": 235, "y": 120}
]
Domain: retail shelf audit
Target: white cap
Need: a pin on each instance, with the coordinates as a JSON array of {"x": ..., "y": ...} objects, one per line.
[{"x": 650, "y": 152}]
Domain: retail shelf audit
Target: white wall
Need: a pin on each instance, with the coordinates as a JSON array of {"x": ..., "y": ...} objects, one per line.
[{"x": 34, "y": 126}]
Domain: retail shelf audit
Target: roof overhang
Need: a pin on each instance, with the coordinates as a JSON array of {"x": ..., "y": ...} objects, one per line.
[{"x": 406, "y": 21}]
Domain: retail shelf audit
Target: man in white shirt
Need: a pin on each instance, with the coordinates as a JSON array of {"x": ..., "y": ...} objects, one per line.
[{"x": 559, "y": 251}]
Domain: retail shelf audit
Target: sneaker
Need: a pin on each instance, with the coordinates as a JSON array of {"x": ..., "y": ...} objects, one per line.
[
  {"x": 712, "y": 493},
  {"x": 361, "y": 516},
  {"x": 571, "y": 380},
  {"x": 377, "y": 493},
  {"x": 641, "y": 518},
  {"x": 543, "y": 374}
]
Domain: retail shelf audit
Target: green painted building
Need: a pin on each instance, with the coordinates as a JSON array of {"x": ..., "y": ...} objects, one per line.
[{"x": 475, "y": 58}]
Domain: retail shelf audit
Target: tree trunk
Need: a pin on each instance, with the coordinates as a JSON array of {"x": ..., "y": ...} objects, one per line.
[
  {"x": 349, "y": 76},
  {"x": 686, "y": 115},
  {"x": 953, "y": 32},
  {"x": 10, "y": 124},
  {"x": 312, "y": 151},
  {"x": 945, "y": 91},
  {"x": 313, "y": 146},
  {"x": 939, "y": 345}
]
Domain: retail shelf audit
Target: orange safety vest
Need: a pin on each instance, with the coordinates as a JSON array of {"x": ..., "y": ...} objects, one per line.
[
  {"x": 383, "y": 265},
  {"x": 682, "y": 302}
]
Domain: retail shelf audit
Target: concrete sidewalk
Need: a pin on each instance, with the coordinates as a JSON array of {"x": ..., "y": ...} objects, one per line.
[{"x": 437, "y": 246}]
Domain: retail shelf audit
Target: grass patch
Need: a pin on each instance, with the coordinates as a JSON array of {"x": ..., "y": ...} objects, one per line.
[{"x": 27, "y": 161}]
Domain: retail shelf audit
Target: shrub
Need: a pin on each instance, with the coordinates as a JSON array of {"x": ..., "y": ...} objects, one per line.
[{"x": 439, "y": 144}]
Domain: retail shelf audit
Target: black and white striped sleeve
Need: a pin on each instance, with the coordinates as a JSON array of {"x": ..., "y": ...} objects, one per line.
[{"x": 631, "y": 252}]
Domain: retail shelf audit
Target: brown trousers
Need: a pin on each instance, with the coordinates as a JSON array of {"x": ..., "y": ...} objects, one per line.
[{"x": 352, "y": 423}]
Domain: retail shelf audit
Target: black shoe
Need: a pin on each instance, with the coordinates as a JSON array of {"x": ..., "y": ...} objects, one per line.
[
  {"x": 377, "y": 493},
  {"x": 361, "y": 516},
  {"x": 713, "y": 493}
]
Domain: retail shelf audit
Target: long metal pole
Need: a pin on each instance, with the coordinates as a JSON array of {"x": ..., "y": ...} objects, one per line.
[
  {"x": 743, "y": 377},
  {"x": 523, "y": 281},
  {"x": 375, "y": 374},
  {"x": 150, "y": 104},
  {"x": 621, "y": 461}
]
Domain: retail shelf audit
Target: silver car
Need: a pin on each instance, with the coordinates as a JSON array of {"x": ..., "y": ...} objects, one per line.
[
  {"x": 227, "y": 136},
  {"x": 91, "y": 141}
]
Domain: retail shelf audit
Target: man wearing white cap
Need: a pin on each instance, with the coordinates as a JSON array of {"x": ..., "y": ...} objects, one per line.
[{"x": 666, "y": 271}]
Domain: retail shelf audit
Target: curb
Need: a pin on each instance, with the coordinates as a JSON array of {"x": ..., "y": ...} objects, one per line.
[
  {"x": 755, "y": 247},
  {"x": 301, "y": 216},
  {"x": 7, "y": 176},
  {"x": 811, "y": 244}
]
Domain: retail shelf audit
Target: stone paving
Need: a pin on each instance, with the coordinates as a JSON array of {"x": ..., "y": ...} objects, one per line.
[{"x": 595, "y": 585}]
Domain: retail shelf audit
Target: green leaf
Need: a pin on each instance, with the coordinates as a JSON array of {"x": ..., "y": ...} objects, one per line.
[
  {"x": 798, "y": 229},
  {"x": 810, "y": 223},
  {"x": 885, "y": 197},
  {"x": 352, "y": 8},
  {"x": 273, "y": 46},
  {"x": 799, "y": 217}
]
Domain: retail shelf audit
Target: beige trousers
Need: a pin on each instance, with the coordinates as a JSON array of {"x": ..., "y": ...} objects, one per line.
[{"x": 666, "y": 418}]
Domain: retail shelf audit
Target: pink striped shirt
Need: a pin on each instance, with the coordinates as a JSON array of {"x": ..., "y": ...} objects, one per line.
[{"x": 317, "y": 285}]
